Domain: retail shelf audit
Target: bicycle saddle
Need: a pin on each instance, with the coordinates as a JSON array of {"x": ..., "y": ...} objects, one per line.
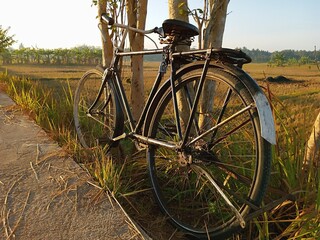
[{"x": 172, "y": 27}]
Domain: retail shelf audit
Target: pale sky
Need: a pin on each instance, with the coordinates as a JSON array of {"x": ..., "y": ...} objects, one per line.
[{"x": 265, "y": 24}]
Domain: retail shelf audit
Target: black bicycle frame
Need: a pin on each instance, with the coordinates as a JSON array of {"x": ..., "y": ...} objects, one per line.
[
  {"x": 112, "y": 73},
  {"x": 170, "y": 58},
  {"x": 120, "y": 92}
]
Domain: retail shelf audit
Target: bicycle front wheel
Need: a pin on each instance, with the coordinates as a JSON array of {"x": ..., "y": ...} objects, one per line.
[
  {"x": 208, "y": 186},
  {"x": 95, "y": 117}
]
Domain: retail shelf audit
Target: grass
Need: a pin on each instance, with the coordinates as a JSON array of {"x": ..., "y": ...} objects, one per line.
[
  {"x": 46, "y": 94},
  {"x": 51, "y": 111}
]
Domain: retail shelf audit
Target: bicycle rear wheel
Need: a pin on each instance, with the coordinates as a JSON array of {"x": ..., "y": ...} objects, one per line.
[
  {"x": 95, "y": 126},
  {"x": 230, "y": 156}
]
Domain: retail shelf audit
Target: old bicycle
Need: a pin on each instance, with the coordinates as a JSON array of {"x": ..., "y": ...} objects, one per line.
[{"x": 207, "y": 130}]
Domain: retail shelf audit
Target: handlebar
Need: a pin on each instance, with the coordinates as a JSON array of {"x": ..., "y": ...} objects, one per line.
[
  {"x": 111, "y": 22},
  {"x": 107, "y": 19}
]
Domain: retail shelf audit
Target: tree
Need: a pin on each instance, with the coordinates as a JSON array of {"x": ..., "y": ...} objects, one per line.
[
  {"x": 106, "y": 38},
  {"x": 200, "y": 16},
  {"x": 278, "y": 59},
  {"x": 137, "y": 14},
  {"x": 304, "y": 60},
  {"x": 178, "y": 9},
  {"x": 5, "y": 40},
  {"x": 214, "y": 30},
  {"x": 212, "y": 37}
]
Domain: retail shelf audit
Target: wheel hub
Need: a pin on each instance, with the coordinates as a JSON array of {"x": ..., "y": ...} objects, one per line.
[{"x": 184, "y": 159}]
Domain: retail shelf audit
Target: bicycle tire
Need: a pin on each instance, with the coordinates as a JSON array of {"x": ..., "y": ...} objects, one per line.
[
  {"x": 235, "y": 156},
  {"x": 98, "y": 127}
]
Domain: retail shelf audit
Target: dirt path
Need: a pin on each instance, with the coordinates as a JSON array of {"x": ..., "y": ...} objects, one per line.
[{"x": 46, "y": 195}]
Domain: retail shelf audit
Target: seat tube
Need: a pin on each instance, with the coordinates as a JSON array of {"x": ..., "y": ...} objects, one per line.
[
  {"x": 174, "y": 98},
  {"x": 197, "y": 96}
]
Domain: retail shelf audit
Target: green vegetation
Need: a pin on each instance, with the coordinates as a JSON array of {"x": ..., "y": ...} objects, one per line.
[
  {"x": 51, "y": 111},
  {"x": 284, "y": 57},
  {"x": 5, "y": 40},
  {"x": 296, "y": 104},
  {"x": 89, "y": 55},
  {"x": 77, "y": 55},
  {"x": 81, "y": 55}
]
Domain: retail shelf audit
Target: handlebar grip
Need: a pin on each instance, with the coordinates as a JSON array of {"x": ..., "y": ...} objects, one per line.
[{"x": 107, "y": 19}]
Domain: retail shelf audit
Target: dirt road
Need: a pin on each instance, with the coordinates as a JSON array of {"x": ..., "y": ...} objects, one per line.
[{"x": 44, "y": 194}]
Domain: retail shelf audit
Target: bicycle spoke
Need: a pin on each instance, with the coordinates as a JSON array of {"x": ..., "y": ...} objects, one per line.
[
  {"x": 168, "y": 129},
  {"x": 225, "y": 104},
  {"x": 236, "y": 195},
  {"x": 208, "y": 157},
  {"x": 211, "y": 145},
  {"x": 251, "y": 106},
  {"x": 190, "y": 102},
  {"x": 221, "y": 193}
]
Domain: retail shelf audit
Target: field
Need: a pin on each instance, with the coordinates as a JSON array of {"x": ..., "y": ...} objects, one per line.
[
  {"x": 296, "y": 102},
  {"x": 305, "y": 79},
  {"x": 299, "y": 95}
]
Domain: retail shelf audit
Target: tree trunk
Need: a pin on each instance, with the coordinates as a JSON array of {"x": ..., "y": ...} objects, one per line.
[
  {"x": 312, "y": 155},
  {"x": 178, "y": 9},
  {"x": 107, "y": 46},
  {"x": 213, "y": 36},
  {"x": 137, "y": 13},
  {"x": 200, "y": 20}
]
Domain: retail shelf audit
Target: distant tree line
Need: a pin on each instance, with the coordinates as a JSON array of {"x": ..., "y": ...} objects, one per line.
[
  {"x": 85, "y": 55},
  {"x": 281, "y": 58},
  {"x": 88, "y": 55}
]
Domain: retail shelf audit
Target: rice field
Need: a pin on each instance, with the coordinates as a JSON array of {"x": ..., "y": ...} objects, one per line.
[{"x": 301, "y": 93}]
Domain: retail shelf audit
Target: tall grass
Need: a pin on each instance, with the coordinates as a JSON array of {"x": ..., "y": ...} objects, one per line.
[
  {"x": 53, "y": 111},
  {"x": 298, "y": 216}
]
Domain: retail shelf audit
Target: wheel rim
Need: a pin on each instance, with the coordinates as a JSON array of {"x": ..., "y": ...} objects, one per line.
[{"x": 97, "y": 126}]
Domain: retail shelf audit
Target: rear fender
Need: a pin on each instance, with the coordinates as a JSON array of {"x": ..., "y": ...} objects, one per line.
[
  {"x": 261, "y": 101},
  {"x": 267, "y": 124}
]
